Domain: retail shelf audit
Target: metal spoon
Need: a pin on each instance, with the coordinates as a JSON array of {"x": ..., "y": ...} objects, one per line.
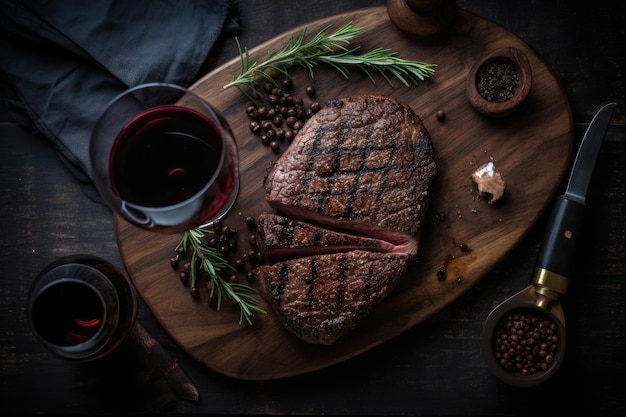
[{"x": 549, "y": 280}]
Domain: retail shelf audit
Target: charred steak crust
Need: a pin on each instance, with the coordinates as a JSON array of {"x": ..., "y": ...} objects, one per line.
[
  {"x": 321, "y": 298},
  {"x": 363, "y": 162}
]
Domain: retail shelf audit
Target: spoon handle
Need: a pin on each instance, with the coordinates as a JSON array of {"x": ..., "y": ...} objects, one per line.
[{"x": 561, "y": 236}]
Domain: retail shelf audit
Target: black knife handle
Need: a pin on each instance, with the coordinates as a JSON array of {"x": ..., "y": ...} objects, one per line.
[{"x": 562, "y": 234}]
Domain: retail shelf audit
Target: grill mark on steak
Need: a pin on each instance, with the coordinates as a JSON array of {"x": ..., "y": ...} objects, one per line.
[
  {"x": 277, "y": 290},
  {"x": 341, "y": 287},
  {"x": 386, "y": 169},
  {"x": 357, "y": 178},
  {"x": 310, "y": 280}
]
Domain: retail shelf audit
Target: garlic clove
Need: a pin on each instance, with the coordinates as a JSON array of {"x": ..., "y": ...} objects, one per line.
[{"x": 489, "y": 181}]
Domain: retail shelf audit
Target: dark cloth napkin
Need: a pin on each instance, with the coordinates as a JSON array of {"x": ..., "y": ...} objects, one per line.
[
  {"x": 139, "y": 377},
  {"x": 65, "y": 60}
]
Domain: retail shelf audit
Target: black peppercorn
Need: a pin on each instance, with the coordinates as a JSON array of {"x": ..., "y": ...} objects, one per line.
[
  {"x": 278, "y": 120},
  {"x": 287, "y": 83},
  {"x": 194, "y": 292},
  {"x": 175, "y": 260},
  {"x": 315, "y": 107},
  {"x": 291, "y": 120},
  {"x": 272, "y": 99},
  {"x": 253, "y": 241},
  {"x": 255, "y": 126},
  {"x": 250, "y": 222},
  {"x": 253, "y": 111}
]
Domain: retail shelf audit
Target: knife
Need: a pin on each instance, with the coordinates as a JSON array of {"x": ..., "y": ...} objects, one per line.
[{"x": 550, "y": 276}]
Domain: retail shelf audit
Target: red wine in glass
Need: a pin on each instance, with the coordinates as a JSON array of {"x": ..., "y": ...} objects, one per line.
[
  {"x": 81, "y": 307},
  {"x": 165, "y": 167},
  {"x": 68, "y": 312}
]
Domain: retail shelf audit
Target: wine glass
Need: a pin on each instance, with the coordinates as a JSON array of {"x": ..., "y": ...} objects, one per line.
[
  {"x": 81, "y": 307},
  {"x": 164, "y": 158}
]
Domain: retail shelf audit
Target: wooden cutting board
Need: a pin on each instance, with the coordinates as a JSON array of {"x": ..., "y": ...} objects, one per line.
[{"x": 531, "y": 148}]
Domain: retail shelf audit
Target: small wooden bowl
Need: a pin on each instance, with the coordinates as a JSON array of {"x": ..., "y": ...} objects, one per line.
[{"x": 495, "y": 109}]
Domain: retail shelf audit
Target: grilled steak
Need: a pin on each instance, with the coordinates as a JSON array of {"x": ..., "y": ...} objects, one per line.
[
  {"x": 321, "y": 298},
  {"x": 363, "y": 163},
  {"x": 284, "y": 237}
]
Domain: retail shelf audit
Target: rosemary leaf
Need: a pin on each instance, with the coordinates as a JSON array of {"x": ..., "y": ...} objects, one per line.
[
  {"x": 206, "y": 258},
  {"x": 332, "y": 49}
]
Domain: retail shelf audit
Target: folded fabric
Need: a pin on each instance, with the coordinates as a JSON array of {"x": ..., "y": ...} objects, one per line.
[{"x": 65, "y": 61}]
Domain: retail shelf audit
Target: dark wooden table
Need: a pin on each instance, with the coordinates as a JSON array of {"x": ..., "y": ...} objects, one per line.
[{"x": 436, "y": 367}]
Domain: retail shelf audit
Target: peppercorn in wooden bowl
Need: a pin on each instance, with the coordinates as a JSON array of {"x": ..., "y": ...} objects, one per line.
[{"x": 499, "y": 83}]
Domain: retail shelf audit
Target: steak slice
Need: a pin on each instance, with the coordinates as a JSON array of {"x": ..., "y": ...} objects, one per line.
[
  {"x": 284, "y": 237},
  {"x": 363, "y": 163},
  {"x": 320, "y": 298}
]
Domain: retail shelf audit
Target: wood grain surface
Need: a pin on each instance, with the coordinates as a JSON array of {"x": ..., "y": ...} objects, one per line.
[{"x": 531, "y": 148}]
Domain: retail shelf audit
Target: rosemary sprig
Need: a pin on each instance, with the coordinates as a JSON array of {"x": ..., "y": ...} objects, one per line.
[
  {"x": 206, "y": 258},
  {"x": 332, "y": 49}
]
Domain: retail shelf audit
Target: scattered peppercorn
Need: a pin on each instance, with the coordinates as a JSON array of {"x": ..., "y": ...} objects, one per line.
[
  {"x": 441, "y": 274},
  {"x": 441, "y": 115},
  {"x": 252, "y": 241},
  {"x": 287, "y": 83},
  {"x": 255, "y": 126},
  {"x": 526, "y": 342},
  {"x": 217, "y": 226},
  {"x": 224, "y": 239},
  {"x": 250, "y": 222},
  {"x": 194, "y": 292},
  {"x": 175, "y": 260},
  {"x": 280, "y": 115},
  {"x": 464, "y": 247}
]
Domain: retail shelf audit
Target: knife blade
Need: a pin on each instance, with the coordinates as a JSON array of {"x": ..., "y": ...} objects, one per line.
[
  {"x": 585, "y": 161},
  {"x": 552, "y": 267}
]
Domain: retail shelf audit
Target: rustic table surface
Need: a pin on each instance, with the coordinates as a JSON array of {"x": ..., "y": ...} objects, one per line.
[{"x": 436, "y": 367}]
